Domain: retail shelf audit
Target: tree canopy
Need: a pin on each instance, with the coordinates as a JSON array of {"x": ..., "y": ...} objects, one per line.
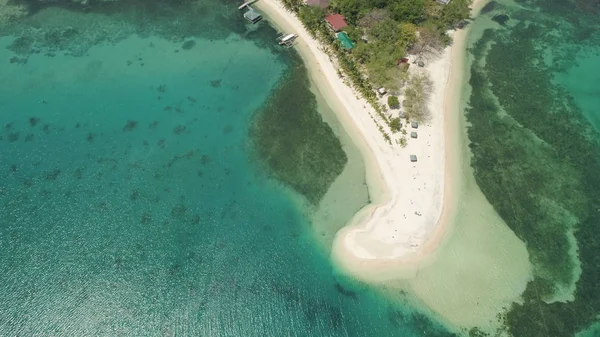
[{"x": 385, "y": 30}]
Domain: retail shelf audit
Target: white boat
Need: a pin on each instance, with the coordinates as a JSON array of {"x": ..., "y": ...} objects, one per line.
[{"x": 287, "y": 39}]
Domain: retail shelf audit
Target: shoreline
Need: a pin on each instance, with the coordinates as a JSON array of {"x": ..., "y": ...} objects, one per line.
[{"x": 407, "y": 220}]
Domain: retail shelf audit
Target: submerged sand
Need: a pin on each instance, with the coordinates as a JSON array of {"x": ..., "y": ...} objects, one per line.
[{"x": 456, "y": 255}]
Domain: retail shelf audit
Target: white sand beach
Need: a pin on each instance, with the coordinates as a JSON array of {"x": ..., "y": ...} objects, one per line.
[
  {"x": 429, "y": 230},
  {"x": 406, "y": 220}
]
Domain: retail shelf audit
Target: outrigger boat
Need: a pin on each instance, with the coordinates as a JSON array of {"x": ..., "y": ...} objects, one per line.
[{"x": 287, "y": 40}]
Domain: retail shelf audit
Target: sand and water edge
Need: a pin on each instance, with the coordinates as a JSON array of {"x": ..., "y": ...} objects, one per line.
[{"x": 471, "y": 266}]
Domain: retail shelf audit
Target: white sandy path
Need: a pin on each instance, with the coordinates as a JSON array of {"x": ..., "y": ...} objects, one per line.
[{"x": 403, "y": 225}]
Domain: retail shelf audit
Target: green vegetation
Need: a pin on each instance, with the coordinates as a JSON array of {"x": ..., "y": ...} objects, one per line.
[
  {"x": 536, "y": 159},
  {"x": 415, "y": 97},
  {"x": 386, "y": 29},
  {"x": 298, "y": 147},
  {"x": 395, "y": 124},
  {"x": 383, "y": 31},
  {"x": 393, "y": 102}
]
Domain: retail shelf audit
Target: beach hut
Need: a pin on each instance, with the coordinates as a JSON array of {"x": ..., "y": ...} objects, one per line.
[
  {"x": 336, "y": 22},
  {"x": 252, "y": 16},
  {"x": 414, "y": 124},
  {"x": 413, "y": 158},
  {"x": 413, "y": 134}
]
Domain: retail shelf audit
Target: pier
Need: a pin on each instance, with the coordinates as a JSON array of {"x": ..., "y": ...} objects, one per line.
[{"x": 246, "y": 4}]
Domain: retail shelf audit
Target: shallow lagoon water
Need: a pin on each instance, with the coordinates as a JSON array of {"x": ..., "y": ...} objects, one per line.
[{"x": 533, "y": 115}]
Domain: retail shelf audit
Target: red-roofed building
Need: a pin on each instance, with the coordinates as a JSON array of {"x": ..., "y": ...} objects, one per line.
[{"x": 336, "y": 22}]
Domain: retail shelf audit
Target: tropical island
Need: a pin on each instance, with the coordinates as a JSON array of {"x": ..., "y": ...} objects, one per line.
[
  {"x": 414, "y": 182},
  {"x": 385, "y": 66},
  {"x": 493, "y": 234}
]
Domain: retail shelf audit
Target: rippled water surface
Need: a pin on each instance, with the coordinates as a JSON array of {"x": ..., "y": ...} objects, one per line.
[{"x": 134, "y": 201}]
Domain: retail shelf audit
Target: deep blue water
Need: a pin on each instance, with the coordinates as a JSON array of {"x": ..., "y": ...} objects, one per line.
[{"x": 132, "y": 203}]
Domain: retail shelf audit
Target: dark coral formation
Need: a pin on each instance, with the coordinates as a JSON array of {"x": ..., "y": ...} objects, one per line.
[
  {"x": 110, "y": 21},
  {"x": 130, "y": 126},
  {"x": 501, "y": 18},
  {"x": 179, "y": 129},
  {"x": 294, "y": 142},
  {"x": 178, "y": 211},
  {"x": 187, "y": 45},
  {"x": 538, "y": 173},
  {"x": 53, "y": 175},
  {"x": 346, "y": 292},
  {"x": 78, "y": 173},
  {"x": 13, "y": 137},
  {"x": 18, "y": 60},
  {"x": 204, "y": 159}
]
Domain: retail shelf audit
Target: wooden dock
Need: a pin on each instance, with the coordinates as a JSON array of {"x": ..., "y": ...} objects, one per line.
[{"x": 246, "y": 4}]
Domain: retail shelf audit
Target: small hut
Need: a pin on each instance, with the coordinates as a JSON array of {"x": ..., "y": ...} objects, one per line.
[
  {"x": 252, "y": 16},
  {"x": 414, "y": 124},
  {"x": 336, "y": 22},
  {"x": 413, "y": 158},
  {"x": 381, "y": 91},
  {"x": 413, "y": 134}
]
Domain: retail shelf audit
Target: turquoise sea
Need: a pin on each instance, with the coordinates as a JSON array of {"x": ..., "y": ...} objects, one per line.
[
  {"x": 147, "y": 187},
  {"x": 534, "y": 115},
  {"x": 159, "y": 174}
]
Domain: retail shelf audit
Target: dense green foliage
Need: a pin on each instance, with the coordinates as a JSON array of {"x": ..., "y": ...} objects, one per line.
[
  {"x": 393, "y": 102},
  {"x": 386, "y": 29},
  {"x": 537, "y": 158},
  {"x": 312, "y": 17}
]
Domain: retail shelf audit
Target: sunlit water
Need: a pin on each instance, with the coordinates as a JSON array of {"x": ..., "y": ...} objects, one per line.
[{"x": 132, "y": 200}]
